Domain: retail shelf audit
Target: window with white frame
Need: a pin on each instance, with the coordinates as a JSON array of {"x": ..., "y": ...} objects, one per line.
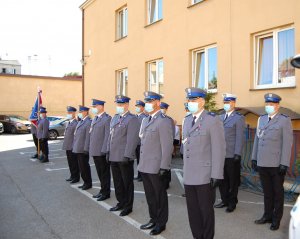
[
  {"x": 122, "y": 23},
  {"x": 154, "y": 10},
  {"x": 273, "y": 52},
  {"x": 205, "y": 69},
  {"x": 156, "y": 76},
  {"x": 122, "y": 82}
]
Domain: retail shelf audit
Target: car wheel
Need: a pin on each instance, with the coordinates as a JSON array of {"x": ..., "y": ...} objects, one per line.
[
  {"x": 53, "y": 134},
  {"x": 13, "y": 130}
]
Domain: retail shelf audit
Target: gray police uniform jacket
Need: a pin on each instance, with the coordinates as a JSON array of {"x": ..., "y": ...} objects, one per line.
[
  {"x": 33, "y": 129},
  {"x": 99, "y": 133},
  {"x": 204, "y": 149},
  {"x": 156, "y": 144},
  {"x": 273, "y": 141},
  {"x": 123, "y": 138},
  {"x": 82, "y": 136},
  {"x": 234, "y": 128},
  {"x": 140, "y": 118},
  {"x": 43, "y": 129},
  {"x": 69, "y": 135}
]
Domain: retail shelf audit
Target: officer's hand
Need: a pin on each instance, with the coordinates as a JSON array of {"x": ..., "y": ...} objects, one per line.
[
  {"x": 214, "y": 182},
  {"x": 282, "y": 169},
  {"x": 162, "y": 172},
  {"x": 86, "y": 152},
  {"x": 107, "y": 157},
  {"x": 254, "y": 165},
  {"x": 237, "y": 158}
]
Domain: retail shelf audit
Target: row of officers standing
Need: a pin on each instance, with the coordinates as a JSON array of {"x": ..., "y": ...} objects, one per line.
[{"x": 211, "y": 145}]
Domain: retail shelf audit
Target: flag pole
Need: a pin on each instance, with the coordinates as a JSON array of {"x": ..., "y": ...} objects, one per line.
[{"x": 38, "y": 113}]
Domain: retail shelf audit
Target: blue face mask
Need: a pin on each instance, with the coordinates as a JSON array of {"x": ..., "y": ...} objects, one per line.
[
  {"x": 187, "y": 113},
  {"x": 41, "y": 116},
  {"x": 80, "y": 116},
  {"x": 137, "y": 109},
  {"x": 193, "y": 107},
  {"x": 270, "y": 109},
  {"x": 95, "y": 111},
  {"x": 149, "y": 107},
  {"x": 69, "y": 116},
  {"x": 120, "y": 110},
  {"x": 226, "y": 107}
]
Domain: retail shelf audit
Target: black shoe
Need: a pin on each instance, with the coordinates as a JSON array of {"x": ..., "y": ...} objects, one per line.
[
  {"x": 97, "y": 195},
  {"x": 103, "y": 197},
  {"x": 147, "y": 226},
  {"x": 81, "y": 186},
  {"x": 76, "y": 180},
  {"x": 274, "y": 226},
  {"x": 220, "y": 205},
  {"x": 45, "y": 160},
  {"x": 125, "y": 212},
  {"x": 230, "y": 208},
  {"x": 140, "y": 179},
  {"x": 35, "y": 156},
  {"x": 157, "y": 230},
  {"x": 86, "y": 187},
  {"x": 116, "y": 208},
  {"x": 69, "y": 179},
  {"x": 263, "y": 220}
]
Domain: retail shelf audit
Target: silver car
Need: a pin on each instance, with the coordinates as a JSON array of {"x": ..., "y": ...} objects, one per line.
[{"x": 57, "y": 128}]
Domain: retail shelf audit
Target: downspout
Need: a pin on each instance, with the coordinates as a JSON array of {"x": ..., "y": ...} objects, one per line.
[{"x": 82, "y": 57}]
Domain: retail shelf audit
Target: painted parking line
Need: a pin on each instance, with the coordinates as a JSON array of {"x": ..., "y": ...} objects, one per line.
[
  {"x": 106, "y": 206},
  {"x": 58, "y": 169},
  {"x": 33, "y": 152}
]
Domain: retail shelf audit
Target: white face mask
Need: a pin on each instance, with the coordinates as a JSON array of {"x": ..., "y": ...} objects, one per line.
[
  {"x": 193, "y": 107},
  {"x": 80, "y": 116},
  {"x": 149, "y": 107},
  {"x": 69, "y": 116},
  {"x": 41, "y": 116},
  {"x": 120, "y": 110},
  {"x": 95, "y": 111},
  {"x": 138, "y": 110}
]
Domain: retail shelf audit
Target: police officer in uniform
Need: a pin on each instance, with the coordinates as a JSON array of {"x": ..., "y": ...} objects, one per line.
[
  {"x": 68, "y": 145},
  {"x": 156, "y": 135},
  {"x": 234, "y": 126},
  {"x": 123, "y": 140},
  {"x": 204, "y": 156},
  {"x": 164, "y": 109},
  {"x": 99, "y": 133},
  {"x": 139, "y": 109},
  {"x": 271, "y": 158},
  {"x": 43, "y": 135},
  {"x": 81, "y": 146}
]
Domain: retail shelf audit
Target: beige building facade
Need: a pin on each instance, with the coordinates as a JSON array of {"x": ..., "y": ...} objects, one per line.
[
  {"x": 19, "y": 92},
  {"x": 237, "y": 46}
]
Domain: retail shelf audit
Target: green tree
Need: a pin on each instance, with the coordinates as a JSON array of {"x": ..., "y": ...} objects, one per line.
[
  {"x": 72, "y": 74},
  {"x": 210, "y": 102}
]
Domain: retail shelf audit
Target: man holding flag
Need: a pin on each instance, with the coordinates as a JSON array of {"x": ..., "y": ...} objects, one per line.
[{"x": 34, "y": 122}]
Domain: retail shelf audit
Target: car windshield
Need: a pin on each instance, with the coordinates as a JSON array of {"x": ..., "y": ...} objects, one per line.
[{"x": 16, "y": 118}]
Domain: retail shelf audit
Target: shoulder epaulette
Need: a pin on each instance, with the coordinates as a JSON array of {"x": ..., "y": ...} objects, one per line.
[
  {"x": 286, "y": 116},
  {"x": 163, "y": 115}
]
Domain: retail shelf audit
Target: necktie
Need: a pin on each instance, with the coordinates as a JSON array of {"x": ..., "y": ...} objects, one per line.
[
  {"x": 269, "y": 119},
  {"x": 194, "y": 120},
  {"x": 226, "y": 116},
  {"x": 150, "y": 117}
]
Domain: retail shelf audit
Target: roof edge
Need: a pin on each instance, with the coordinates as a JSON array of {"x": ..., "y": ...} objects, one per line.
[{"x": 86, "y": 4}]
